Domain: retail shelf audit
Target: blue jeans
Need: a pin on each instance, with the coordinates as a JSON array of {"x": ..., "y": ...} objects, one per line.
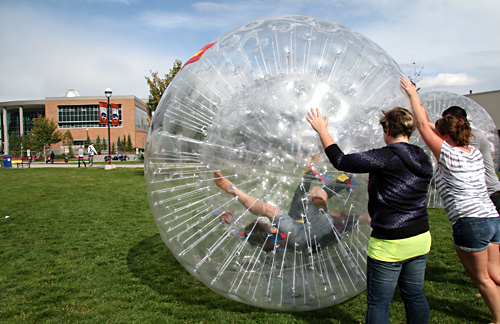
[
  {"x": 382, "y": 278},
  {"x": 471, "y": 234}
]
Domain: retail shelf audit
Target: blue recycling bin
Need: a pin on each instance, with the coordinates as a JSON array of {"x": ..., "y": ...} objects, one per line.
[{"x": 7, "y": 161}]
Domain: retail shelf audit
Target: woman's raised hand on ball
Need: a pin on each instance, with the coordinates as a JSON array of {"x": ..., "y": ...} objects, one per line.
[{"x": 320, "y": 126}]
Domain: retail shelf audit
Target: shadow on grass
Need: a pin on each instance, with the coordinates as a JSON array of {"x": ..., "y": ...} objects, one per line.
[
  {"x": 463, "y": 312},
  {"x": 456, "y": 283},
  {"x": 151, "y": 262}
]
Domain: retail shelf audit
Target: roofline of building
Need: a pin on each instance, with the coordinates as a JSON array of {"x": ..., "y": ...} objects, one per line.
[
  {"x": 19, "y": 103},
  {"x": 126, "y": 97},
  {"x": 481, "y": 93},
  {"x": 41, "y": 103}
]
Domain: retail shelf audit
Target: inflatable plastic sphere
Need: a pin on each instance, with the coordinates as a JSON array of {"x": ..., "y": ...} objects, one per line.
[
  {"x": 435, "y": 103},
  {"x": 239, "y": 107}
]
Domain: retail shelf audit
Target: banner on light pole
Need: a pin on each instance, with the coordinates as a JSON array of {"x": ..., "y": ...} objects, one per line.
[
  {"x": 115, "y": 117},
  {"x": 103, "y": 113}
]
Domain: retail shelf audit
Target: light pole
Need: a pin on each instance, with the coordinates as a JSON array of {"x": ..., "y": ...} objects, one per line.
[{"x": 108, "y": 93}]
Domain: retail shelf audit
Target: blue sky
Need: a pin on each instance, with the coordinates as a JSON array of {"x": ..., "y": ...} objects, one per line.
[{"x": 49, "y": 46}]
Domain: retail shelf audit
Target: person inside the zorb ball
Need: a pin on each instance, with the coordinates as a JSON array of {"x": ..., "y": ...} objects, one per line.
[{"x": 308, "y": 223}]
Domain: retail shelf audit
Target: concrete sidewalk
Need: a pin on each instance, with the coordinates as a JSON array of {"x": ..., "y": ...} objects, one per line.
[{"x": 75, "y": 165}]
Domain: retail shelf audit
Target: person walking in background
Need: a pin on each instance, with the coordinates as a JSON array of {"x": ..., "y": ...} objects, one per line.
[
  {"x": 399, "y": 176},
  {"x": 52, "y": 157},
  {"x": 460, "y": 180},
  {"x": 81, "y": 157},
  {"x": 91, "y": 151}
]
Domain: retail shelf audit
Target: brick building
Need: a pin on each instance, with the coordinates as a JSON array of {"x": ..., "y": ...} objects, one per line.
[{"x": 79, "y": 115}]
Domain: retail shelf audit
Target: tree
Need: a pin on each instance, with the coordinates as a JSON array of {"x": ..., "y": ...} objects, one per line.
[
  {"x": 157, "y": 86},
  {"x": 44, "y": 134},
  {"x": 129, "y": 147},
  {"x": 68, "y": 141},
  {"x": 26, "y": 140},
  {"x": 104, "y": 145},
  {"x": 15, "y": 145},
  {"x": 118, "y": 145},
  {"x": 98, "y": 147}
]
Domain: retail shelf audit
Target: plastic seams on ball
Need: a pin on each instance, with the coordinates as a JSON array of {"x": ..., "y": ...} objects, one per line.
[{"x": 239, "y": 107}]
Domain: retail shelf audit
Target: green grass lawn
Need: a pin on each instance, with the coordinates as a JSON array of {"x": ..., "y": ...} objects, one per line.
[{"x": 81, "y": 246}]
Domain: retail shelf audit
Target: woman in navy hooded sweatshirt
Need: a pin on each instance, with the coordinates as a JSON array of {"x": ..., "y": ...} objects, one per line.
[{"x": 399, "y": 175}]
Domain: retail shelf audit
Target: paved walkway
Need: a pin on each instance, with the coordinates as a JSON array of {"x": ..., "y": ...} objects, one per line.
[{"x": 75, "y": 165}]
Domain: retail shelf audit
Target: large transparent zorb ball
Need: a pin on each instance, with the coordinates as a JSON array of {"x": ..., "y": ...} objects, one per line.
[
  {"x": 239, "y": 106},
  {"x": 481, "y": 122}
]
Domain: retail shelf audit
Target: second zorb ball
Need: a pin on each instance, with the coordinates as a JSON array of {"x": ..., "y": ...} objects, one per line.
[
  {"x": 239, "y": 106},
  {"x": 438, "y": 101}
]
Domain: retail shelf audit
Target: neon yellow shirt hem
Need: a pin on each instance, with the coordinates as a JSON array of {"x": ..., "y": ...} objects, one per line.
[{"x": 399, "y": 250}]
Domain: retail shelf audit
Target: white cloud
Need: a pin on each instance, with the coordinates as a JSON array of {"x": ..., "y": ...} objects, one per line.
[
  {"x": 211, "y": 6},
  {"x": 447, "y": 80},
  {"x": 168, "y": 20},
  {"x": 126, "y": 2}
]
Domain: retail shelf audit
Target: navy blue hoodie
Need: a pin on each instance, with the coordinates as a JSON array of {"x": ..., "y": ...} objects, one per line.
[{"x": 399, "y": 175}]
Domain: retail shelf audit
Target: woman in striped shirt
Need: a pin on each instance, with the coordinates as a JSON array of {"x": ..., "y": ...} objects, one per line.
[{"x": 460, "y": 180}]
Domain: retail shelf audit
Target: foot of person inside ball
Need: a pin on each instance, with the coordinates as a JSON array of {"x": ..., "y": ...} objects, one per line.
[
  {"x": 223, "y": 183},
  {"x": 311, "y": 165}
]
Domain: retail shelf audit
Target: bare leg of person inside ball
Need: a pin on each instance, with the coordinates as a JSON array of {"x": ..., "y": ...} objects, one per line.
[{"x": 260, "y": 208}]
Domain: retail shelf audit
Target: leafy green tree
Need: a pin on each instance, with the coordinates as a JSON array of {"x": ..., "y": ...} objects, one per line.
[
  {"x": 124, "y": 143},
  {"x": 68, "y": 141},
  {"x": 157, "y": 86},
  {"x": 15, "y": 145},
  {"x": 118, "y": 145},
  {"x": 113, "y": 151},
  {"x": 104, "y": 145},
  {"x": 98, "y": 147},
  {"x": 26, "y": 140},
  {"x": 87, "y": 141},
  {"x": 129, "y": 147},
  {"x": 44, "y": 134}
]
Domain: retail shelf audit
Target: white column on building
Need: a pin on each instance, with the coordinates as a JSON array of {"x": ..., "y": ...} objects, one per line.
[
  {"x": 5, "y": 137},
  {"x": 21, "y": 121}
]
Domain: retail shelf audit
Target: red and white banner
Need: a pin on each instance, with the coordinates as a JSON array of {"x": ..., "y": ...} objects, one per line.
[
  {"x": 115, "y": 116},
  {"x": 103, "y": 113}
]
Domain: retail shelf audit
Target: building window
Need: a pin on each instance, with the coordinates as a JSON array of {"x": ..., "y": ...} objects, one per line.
[
  {"x": 81, "y": 116},
  {"x": 13, "y": 122},
  {"x": 28, "y": 117},
  {"x": 141, "y": 118}
]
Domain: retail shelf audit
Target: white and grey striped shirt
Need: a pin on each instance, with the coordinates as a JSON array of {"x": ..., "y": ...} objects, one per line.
[{"x": 460, "y": 180}]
